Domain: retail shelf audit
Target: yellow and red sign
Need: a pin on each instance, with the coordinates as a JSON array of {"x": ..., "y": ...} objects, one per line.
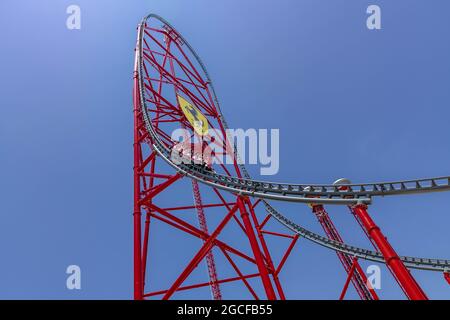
[{"x": 194, "y": 116}]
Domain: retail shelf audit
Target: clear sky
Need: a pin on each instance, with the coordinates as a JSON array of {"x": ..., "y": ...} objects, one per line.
[{"x": 349, "y": 102}]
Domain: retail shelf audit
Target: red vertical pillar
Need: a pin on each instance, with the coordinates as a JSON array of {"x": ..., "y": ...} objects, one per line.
[
  {"x": 138, "y": 285},
  {"x": 401, "y": 273},
  {"x": 264, "y": 273}
]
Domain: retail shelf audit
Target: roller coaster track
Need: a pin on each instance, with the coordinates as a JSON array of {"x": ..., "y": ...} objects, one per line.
[{"x": 353, "y": 194}]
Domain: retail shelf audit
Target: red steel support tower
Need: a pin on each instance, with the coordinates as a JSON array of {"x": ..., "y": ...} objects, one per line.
[
  {"x": 351, "y": 266},
  {"x": 166, "y": 70},
  {"x": 403, "y": 276}
]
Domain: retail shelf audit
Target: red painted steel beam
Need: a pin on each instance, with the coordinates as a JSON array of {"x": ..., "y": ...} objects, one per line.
[
  {"x": 157, "y": 189},
  {"x": 188, "y": 228},
  {"x": 266, "y": 219},
  {"x": 447, "y": 277},
  {"x": 183, "y": 88},
  {"x": 155, "y": 175},
  {"x": 258, "y": 201},
  {"x": 263, "y": 269},
  {"x": 212, "y": 205},
  {"x": 277, "y": 234},
  {"x": 200, "y": 255},
  {"x": 244, "y": 280},
  {"x": 204, "y": 284},
  {"x": 286, "y": 254},
  {"x": 147, "y": 160},
  {"x": 349, "y": 277},
  {"x": 228, "y": 207},
  {"x": 401, "y": 273}
]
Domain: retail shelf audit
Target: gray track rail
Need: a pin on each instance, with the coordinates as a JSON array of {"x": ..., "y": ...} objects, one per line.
[{"x": 303, "y": 193}]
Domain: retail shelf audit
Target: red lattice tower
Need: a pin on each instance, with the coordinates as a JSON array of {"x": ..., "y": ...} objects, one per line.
[{"x": 169, "y": 70}]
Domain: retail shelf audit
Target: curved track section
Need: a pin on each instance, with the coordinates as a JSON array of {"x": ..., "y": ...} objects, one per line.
[
  {"x": 303, "y": 193},
  {"x": 411, "y": 262}
]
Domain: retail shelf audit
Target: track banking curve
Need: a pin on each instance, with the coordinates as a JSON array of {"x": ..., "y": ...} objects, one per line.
[{"x": 303, "y": 193}]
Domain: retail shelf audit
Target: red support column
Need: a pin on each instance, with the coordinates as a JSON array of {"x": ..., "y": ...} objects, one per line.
[
  {"x": 349, "y": 278},
  {"x": 447, "y": 276},
  {"x": 263, "y": 270},
  {"x": 138, "y": 284},
  {"x": 266, "y": 251},
  {"x": 401, "y": 273}
]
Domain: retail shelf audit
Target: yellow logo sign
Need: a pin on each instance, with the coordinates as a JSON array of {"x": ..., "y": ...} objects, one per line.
[{"x": 194, "y": 116}]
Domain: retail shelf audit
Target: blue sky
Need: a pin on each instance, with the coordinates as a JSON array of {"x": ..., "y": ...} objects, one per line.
[{"x": 367, "y": 105}]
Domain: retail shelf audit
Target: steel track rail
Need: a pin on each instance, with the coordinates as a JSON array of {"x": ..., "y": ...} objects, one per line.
[{"x": 303, "y": 193}]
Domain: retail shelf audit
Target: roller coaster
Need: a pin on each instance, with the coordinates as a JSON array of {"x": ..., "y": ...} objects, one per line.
[{"x": 166, "y": 68}]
